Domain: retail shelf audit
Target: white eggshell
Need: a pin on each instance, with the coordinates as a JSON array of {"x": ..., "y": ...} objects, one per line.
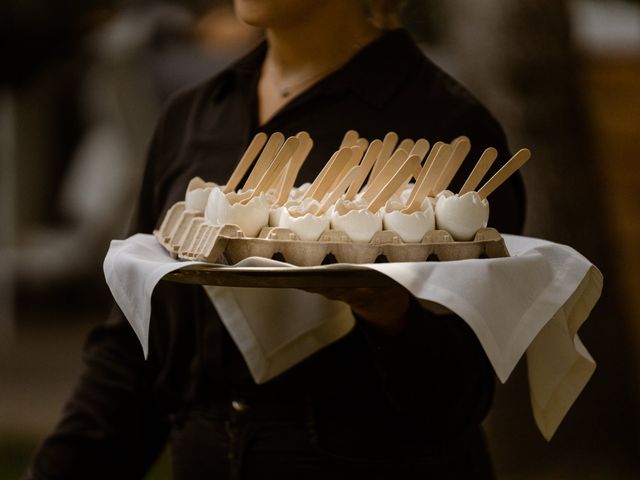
[
  {"x": 411, "y": 227},
  {"x": 275, "y": 216},
  {"x": 250, "y": 218},
  {"x": 461, "y": 215},
  {"x": 307, "y": 227},
  {"x": 406, "y": 192},
  {"x": 196, "y": 199},
  {"x": 360, "y": 224},
  {"x": 297, "y": 192}
]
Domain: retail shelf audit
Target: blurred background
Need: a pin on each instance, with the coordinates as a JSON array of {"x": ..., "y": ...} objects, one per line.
[{"x": 80, "y": 89}]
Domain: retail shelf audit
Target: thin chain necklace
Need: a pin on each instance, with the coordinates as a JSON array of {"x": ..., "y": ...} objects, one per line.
[{"x": 286, "y": 90}]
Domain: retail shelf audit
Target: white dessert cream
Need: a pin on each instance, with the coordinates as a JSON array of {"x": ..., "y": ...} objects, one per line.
[
  {"x": 410, "y": 227},
  {"x": 356, "y": 221},
  {"x": 226, "y": 209},
  {"x": 461, "y": 215}
]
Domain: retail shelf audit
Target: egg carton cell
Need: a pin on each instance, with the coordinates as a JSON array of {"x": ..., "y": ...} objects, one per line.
[{"x": 186, "y": 235}]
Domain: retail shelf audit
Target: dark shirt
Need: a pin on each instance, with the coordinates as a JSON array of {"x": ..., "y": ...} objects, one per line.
[{"x": 412, "y": 402}]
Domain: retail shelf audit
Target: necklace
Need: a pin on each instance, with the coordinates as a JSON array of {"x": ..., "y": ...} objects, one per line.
[{"x": 286, "y": 90}]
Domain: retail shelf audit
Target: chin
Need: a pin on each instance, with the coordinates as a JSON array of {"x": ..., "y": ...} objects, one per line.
[{"x": 272, "y": 13}]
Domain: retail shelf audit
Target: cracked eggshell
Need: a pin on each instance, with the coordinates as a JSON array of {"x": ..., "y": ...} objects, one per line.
[
  {"x": 410, "y": 227},
  {"x": 275, "y": 216},
  {"x": 405, "y": 193},
  {"x": 359, "y": 223},
  {"x": 221, "y": 210},
  {"x": 304, "y": 224},
  {"x": 196, "y": 199},
  {"x": 461, "y": 215},
  {"x": 298, "y": 192}
]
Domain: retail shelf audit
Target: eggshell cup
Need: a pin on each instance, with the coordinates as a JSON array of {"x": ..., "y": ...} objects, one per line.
[
  {"x": 360, "y": 224},
  {"x": 275, "y": 216},
  {"x": 307, "y": 227},
  {"x": 461, "y": 215},
  {"x": 251, "y": 218},
  {"x": 197, "y": 198},
  {"x": 411, "y": 227}
]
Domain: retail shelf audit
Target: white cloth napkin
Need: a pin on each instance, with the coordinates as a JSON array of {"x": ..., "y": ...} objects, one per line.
[{"x": 533, "y": 301}]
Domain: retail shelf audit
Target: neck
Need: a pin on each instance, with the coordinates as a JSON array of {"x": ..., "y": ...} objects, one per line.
[{"x": 321, "y": 41}]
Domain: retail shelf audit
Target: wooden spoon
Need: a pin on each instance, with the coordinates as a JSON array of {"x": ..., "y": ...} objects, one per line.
[
  {"x": 275, "y": 142},
  {"x": 480, "y": 170},
  {"x": 388, "y": 146},
  {"x": 340, "y": 159},
  {"x": 518, "y": 160},
  {"x": 367, "y": 162},
  {"x": 401, "y": 176},
  {"x": 461, "y": 148},
  {"x": 424, "y": 171},
  {"x": 406, "y": 145},
  {"x": 343, "y": 186},
  {"x": 389, "y": 170},
  {"x": 273, "y": 171},
  {"x": 245, "y": 162},
  {"x": 356, "y": 156},
  {"x": 350, "y": 138},
  {"x": 293, "y": 167}
]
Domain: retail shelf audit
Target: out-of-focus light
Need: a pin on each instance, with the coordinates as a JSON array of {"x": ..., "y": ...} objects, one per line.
[{"x": 607, "y": 27}]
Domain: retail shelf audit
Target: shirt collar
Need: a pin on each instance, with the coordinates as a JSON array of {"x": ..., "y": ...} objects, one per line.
[{"x": 375, "y": 73}]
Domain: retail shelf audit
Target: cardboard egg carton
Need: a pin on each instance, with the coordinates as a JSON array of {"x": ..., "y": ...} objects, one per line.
[{"x": 186, "y": 235}]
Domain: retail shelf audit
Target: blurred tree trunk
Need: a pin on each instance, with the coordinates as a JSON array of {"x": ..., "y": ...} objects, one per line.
[{"x": 517, "y": 57}]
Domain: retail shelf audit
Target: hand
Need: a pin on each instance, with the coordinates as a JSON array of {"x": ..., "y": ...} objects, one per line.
[{"x": 383, "y": 309}]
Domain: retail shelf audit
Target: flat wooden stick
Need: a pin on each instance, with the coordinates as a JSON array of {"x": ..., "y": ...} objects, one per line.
[
  {"x": 401, "y": 176},
  {"x": 406, "y": 145},
  {"x": 480, "y": 170},
  {"x": 356, "y": 156},
  {"x": 388, "y": 145},
  {"x": 245, "y": 162},
  {"x": 276, "y": 167},
  {"x": 461, "y": 148},
  {"x": 335, "y": 194},
  {"x": 343, "y": 157},
  {"x": 416, "y": 202},
  {"x": 363, "y": 143},
  {"x": 508, "y": 169},
  {"x": 367, "y": 162},
  {"x": 314, "y": 185},
  {"x": 350, "y": 138},
  {"x": 275, "y": 142},
  {"x": 439, "y": 163},
  {"x": 428, "y": 164},
  {"x": 421, "y": 148},
  {"x": 297, "y": 159},
  {"x": 389, "y": 170}
]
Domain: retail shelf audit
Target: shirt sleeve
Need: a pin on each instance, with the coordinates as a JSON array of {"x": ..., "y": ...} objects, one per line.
[{"x": 110, "y": 427}]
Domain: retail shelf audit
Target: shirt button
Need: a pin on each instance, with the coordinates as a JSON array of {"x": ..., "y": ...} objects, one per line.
[{"x": 239, "y": 405}]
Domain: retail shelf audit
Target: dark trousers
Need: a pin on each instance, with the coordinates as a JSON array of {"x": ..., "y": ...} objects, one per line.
[{"x": 251, "y": 441}]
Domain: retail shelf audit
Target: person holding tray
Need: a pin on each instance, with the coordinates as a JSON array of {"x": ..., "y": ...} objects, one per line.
[{"x": 402, "y": 395}]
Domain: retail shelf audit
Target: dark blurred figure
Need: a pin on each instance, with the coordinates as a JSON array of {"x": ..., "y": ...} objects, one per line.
[{"x": 128, "y": 61}]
